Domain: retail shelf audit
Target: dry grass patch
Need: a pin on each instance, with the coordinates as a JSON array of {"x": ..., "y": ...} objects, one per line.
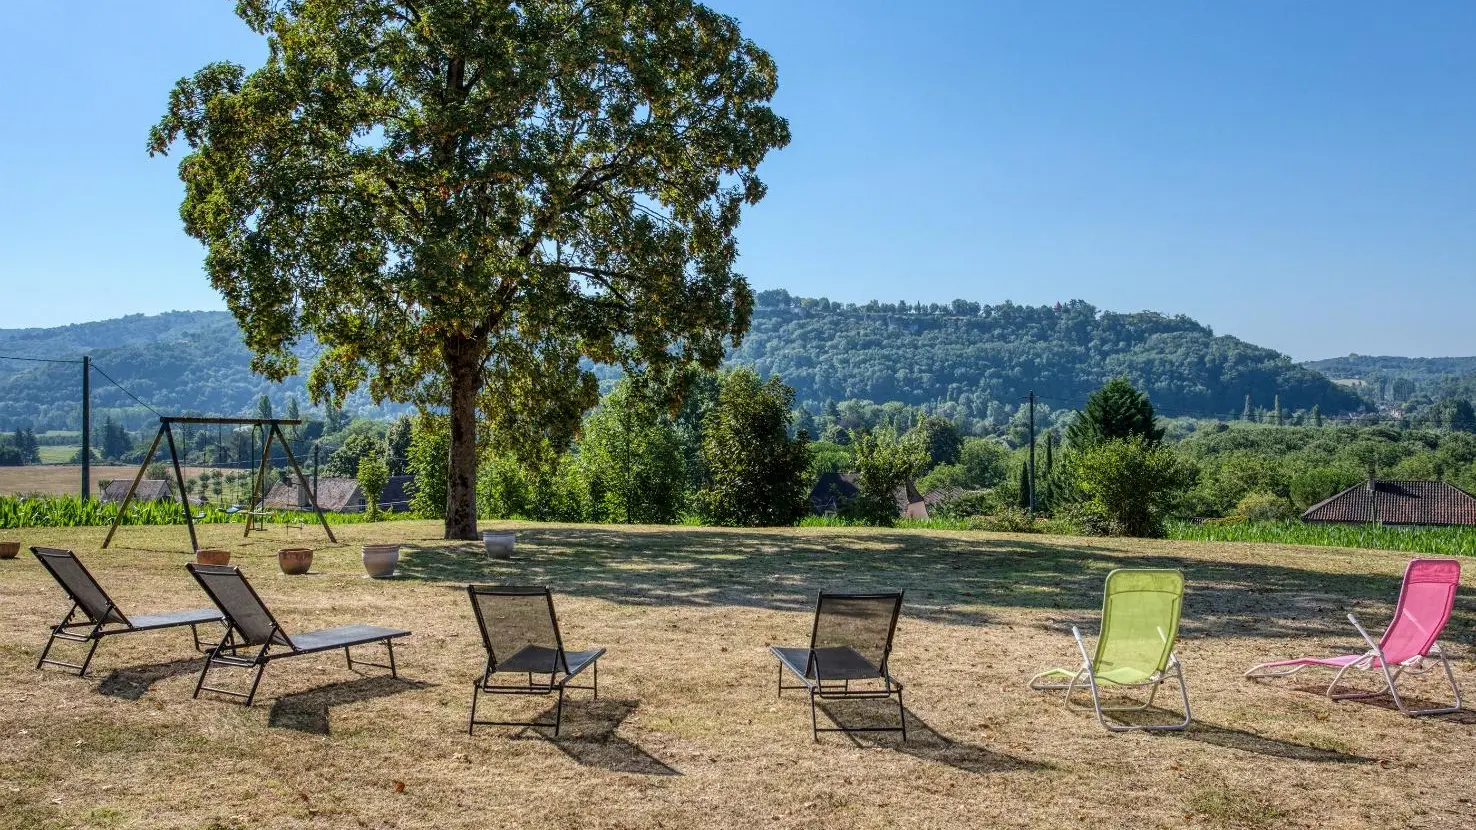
[{"x": 688, "y": 730}]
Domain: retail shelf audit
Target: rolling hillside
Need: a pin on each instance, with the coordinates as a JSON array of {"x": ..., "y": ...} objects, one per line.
[{"x": 965, "y": 353}]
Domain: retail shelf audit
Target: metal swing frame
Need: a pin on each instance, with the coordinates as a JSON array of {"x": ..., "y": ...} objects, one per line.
[{"x": 273, "y": 429}]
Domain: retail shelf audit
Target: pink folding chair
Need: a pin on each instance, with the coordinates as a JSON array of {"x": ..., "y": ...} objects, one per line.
[{"x": 1425, "y": 602}]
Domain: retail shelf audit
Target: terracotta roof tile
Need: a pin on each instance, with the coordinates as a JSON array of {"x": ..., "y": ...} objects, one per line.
[{"x": 1397, "y": 503}]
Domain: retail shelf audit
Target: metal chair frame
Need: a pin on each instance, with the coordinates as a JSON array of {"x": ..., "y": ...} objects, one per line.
[
  {"x": 813, "y": 682},
  {"x": 1417, "y": 665},
  {"x": 558, "y": 678},
  {"x": 67, "y": 629},
  {"x": 227, "y": 653}
]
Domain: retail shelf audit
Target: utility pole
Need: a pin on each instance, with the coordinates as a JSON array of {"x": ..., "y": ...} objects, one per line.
[
  {"x": 86, "y": 427},
  {"x": 1032, "y": 453}
]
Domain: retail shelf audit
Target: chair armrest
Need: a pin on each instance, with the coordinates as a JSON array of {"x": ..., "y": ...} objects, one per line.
[
  {"x": 1086, "y": 659},
  {"x": 1372, "y": 646}
]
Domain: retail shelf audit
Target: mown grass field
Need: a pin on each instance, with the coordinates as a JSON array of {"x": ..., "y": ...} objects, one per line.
[{"x": 687, "y": 731}]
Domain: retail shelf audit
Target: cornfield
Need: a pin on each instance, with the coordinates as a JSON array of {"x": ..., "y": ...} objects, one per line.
[
  {"x": 71, "y": 511},
  {"x": 1437, "y": 540}
]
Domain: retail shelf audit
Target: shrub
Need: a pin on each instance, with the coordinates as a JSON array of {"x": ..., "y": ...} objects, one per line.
[
  {"x": 1264, "y": 507},
  {"x": 1134, "y": 482}
]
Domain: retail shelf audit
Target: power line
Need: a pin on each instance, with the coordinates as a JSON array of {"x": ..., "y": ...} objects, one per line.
[
  {"x": 136, "y": 398},
  {"x": 37, "y": 359}
]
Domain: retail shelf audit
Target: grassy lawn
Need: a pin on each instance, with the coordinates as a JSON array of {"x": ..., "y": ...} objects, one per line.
[{"x": 687, "y": 731}]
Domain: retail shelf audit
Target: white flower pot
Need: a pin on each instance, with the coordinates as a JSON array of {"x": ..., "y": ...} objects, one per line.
[
  {"x": 499, "y": 543},
  {"x": 380, "y": 560}
]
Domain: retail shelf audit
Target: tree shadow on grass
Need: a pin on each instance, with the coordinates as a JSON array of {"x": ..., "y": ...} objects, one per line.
[
  {"x": 588, "y": 738},
  {"x": 948, "y": 578},
  {"x": 923, "y": 741},
  {"x": 308, "y": 711},
  {"x": 131, "y": 683}
]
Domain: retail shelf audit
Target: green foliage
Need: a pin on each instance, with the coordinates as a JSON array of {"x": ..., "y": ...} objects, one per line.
[
  {"x": 1443, "y": 541},
  {"x": 429, "y": 442},
  {"x": 1134, "y": 482},
  {"x": 942, "y": 441},
  {"x": 360, "y": 441},
  {"x": 460, "y": 207},
  {"x": 957, "y": 365},
  {"x": 1264, "y": 507},
  {"x": 373, "y": 475},
  {"x": 884, "y": 463},
  {"x": 397, "y": 445},
  {"x": 631, "y": 457},
  {"x": 71, "y": 511},
  {"x": 985, "y": 463},
  {"x": 755, "y": 474},
  {"x": 507, "y": 488},
  {"x": 828, "y": 457},
  {"x": 1115, "y": 411}
]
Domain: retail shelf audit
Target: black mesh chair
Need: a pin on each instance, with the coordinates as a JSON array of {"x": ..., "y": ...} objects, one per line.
[
  {"x": 850, "y": 643},
  {"x": 252, "y": 633},
  {"x": 521, "y": 635},
  {"x": 94, "y": 615}
]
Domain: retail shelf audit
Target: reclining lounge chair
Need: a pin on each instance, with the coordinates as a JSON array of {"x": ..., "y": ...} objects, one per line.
[
  {"x": 850, "y": 641},
  {"x": 1140, "y": 623},
  {"x": 521, "y": 635},
  {"x": 254, "y": 638},
  {"x": 100, "y": 616},
  {"x": 1425, "y": 602}
]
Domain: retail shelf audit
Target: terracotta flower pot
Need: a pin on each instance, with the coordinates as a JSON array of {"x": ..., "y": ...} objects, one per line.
[
  {"x": 380, "y": 560},
  {"x": 8, "y": 550},
  {"x": 499, "y": 543},
  {"x": 295, "y": 561},
  {"x": 213, "y": 556}
]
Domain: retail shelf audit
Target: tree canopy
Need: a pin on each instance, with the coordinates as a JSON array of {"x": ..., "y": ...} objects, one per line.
[
  {"x": 462, "y": 200},
  {"x": 1116, "y": 411}
]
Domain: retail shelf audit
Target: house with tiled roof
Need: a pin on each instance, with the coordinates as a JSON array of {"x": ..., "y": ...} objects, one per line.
[
  {"x": 335, "y": 495},
  {"x": 1397, "y": 503},
  {"x": 833, "y": 490},
  {"x": 149, "y": 489}
]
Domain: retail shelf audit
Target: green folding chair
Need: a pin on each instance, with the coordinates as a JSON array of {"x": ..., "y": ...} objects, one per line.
[{"x": 1140, "y": 622}]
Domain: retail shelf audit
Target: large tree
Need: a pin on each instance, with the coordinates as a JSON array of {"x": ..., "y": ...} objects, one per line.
[
  {"x": 462, "y": 198},
  {"x": 1116, "y": 410}
]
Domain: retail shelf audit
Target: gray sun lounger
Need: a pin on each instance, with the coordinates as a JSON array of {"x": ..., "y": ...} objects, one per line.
[
  {"x": 252, "y": 632},
  {"x": 850, "y": 642},
  {"x": 94, "y": 615},
  {"x": 521, "y": 635}
]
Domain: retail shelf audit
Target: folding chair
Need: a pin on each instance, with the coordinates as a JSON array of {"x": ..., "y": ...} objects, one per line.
[
  {"x": 1425, "y": 601},
  {"x": 252, "y": 632},
  {"x": 1140, "y": 623},
  {"x": 100, "y": 616},
  {"x": 850, "y": 640},
  {"x": 521, "y": 635}
]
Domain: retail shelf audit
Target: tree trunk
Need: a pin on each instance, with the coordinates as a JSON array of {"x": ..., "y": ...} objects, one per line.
[{"x": 465, "y": 371}]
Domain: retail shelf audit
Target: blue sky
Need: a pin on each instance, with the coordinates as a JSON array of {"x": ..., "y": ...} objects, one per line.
[{"x": 1300, "y": 175}]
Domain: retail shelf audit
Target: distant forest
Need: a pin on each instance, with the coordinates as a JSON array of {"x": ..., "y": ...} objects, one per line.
[{"x": 963, "y": 360}]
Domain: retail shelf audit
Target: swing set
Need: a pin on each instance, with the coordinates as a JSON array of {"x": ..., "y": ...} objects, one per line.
[{"x": 271, "y": 427}]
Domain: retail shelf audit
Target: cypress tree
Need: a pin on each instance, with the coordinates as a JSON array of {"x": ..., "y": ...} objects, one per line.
[
  {"x": 1316, "y": 415},
  {"x": 1276, "y": 409},
  {"x": 1245, "y": 414},
  {"x": 1024, "y": 499}
]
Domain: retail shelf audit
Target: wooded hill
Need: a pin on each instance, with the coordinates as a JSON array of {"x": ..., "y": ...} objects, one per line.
[
  {"x": 972, "y": 355},
  {"x": 961, "y": 358}
]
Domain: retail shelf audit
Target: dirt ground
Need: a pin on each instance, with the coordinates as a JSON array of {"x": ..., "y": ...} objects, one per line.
[{"x": 687, "y": 730}]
